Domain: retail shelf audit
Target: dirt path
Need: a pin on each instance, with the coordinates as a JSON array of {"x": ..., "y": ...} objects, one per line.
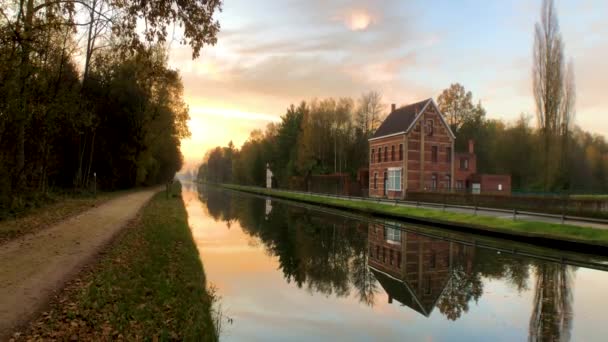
[{"x": 34, "y": 266}]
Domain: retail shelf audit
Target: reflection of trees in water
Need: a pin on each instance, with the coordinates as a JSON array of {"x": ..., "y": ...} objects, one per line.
[
  {"x": 321, "y": 252},
  {"x": 329, "y": 254},
  {"x": 551, "y": 318},
  {"x": 363, "y": 279},
  {"x": 462, "y": 287}
]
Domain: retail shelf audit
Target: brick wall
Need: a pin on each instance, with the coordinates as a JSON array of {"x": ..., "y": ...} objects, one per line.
[
  {"x": 381, "y": 167},
  {"x": 420, "y": 173}
]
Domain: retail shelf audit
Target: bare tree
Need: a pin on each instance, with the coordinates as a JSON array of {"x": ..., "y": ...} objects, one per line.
[
  {"x": 553, "y": 88},
  {"x": 551, "y": 318},
  {"x": 369, "y": 113}
]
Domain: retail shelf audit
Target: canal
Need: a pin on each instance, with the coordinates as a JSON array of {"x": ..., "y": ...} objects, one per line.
[{"x": 284, "y": 271}]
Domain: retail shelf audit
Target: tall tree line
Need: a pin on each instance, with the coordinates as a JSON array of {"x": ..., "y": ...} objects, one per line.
[
  {"x": 325, "y": 136},
  {"x": 330, "y": 136},
  {"x": 85, "y": 90}
]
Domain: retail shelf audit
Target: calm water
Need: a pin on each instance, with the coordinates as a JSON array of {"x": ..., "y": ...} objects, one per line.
[{"x": 287, "y": 272}]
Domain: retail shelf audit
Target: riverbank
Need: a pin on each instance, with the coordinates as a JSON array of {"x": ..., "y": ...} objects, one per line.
[
  {"x": 49, "y": 212},
  {"x": 150, "y": 284},
  {"x": 559, "y": 235}
]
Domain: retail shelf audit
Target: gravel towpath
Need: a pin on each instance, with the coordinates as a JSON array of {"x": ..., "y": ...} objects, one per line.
[{"x": 34, "y": 266}]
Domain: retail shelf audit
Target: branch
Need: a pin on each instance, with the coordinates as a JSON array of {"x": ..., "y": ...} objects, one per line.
[{"x": 82, "y": 3}]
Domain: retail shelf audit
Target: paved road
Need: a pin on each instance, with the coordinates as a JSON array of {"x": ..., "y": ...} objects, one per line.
[
  {"x": 34, "y": 266},
  {"x": 504, "y": 215}
]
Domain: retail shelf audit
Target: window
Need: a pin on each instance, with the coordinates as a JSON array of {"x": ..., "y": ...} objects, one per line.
[
  {"x": 375, "y": 180},
  {"x": 429, "y": 127},
  {"x": 429, "y": 289},
  {"x": 448, "y": 180},
  {"x": 379, "y": 154},
  {"x": 448, "y": 152},
  {"x": 499, "y": 187},
  {"x": 394, "y": 179},
  {"x": 385, "y": 153},
  {"x": 464, "y": 163},
  {"x": 392, "y": 235},
  {"x": 390, "y": 256},
  {"x": 434, "y": 182},
  {"x": 434, "y": 154},
  {"x": 400, "y": 151},
  {"x": 373, "y": 155},
  {"x": 459, "y": 185}
]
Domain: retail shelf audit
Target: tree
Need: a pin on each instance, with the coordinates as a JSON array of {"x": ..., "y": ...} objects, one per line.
[
  {"x": 29, "y": 32},
  {"x": 457, "y": 105},
  {"x": 369, "y": 113},
  {"x": 553, "y": 88},
  {"x": 552, "y": 312}
]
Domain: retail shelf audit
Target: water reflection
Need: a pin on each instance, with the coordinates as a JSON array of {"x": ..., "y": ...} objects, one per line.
[
  {"x": 336, "y": 256},
  {"x": 551, "y": 318},
  {"x": 422, "y": 272}
]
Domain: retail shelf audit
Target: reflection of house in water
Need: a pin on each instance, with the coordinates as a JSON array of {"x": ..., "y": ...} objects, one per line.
[
  {"x": 268, "y": 208},
  {"x": 414, "y": 269}
]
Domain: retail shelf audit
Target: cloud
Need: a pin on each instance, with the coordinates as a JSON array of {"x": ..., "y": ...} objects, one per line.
[
  {"x": 356, "y": 19},
  {"x": 281, "y": 52}
]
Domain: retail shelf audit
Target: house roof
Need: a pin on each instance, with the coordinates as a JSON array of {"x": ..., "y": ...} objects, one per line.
[
  {"x": 401, "y": 120},
  {"x": 401, "y": 291}
]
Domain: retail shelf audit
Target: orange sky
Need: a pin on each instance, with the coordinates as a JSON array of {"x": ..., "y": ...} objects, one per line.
[{"x": 407, "y": 51}]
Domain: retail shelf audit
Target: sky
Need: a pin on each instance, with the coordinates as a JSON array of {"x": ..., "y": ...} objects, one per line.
[{"x": 271, "y": 54}]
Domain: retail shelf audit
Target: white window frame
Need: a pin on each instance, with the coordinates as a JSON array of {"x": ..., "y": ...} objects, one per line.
[
  {"x": 392, "y": 235},
  {"x": 394, "y": 179}
]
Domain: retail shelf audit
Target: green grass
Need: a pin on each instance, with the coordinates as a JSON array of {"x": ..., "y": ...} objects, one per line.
[
  {"x": 567, "y": 232},
  {"x": 150, "y": 285}
]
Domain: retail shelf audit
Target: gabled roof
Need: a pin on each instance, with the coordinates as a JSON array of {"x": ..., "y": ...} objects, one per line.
[
  {"x": 402, "y": 119},
  {"x": 401, "y": 292}
]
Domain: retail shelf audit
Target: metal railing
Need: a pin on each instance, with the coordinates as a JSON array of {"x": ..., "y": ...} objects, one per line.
[
  {"x": 515, "y": 212},
  {"x": 520, "y": 250}
]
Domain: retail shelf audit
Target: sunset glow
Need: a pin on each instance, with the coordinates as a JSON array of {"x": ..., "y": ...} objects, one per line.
[{"x": 328, "y": 49}]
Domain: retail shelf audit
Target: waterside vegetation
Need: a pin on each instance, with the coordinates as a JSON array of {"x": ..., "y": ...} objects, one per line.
[
  {"x": 529, "y": 229},
  {"x": 149, "y": 285}
]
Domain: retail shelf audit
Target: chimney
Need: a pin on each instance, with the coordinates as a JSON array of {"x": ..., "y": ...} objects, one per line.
[
  {"x": 471, "y": 146},
  {"x": 393, "y": 107}
]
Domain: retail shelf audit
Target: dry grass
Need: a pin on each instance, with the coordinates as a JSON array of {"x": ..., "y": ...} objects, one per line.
[{"x": 150, "y": 285}]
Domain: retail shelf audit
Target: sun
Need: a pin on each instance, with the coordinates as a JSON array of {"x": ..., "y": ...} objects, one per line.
[{"x": 359, "y": 20}]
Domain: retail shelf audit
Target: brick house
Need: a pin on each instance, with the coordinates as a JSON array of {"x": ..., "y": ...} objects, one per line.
[{"x": 413, "y": 150}]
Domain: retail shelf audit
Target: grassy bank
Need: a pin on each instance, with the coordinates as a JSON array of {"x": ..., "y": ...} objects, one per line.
[
  {"x": 150, "y": 284},
  {"x": 565, "y": 232},
  {"x": 45, "y": 213}
]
